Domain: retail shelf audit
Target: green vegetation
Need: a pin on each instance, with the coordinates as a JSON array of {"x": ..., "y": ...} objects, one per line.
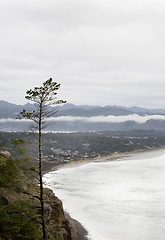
[
  {"x": 20, "y": 210},
  {"x": 9, "y": 177},
  {"x": 18, "y": 219}
]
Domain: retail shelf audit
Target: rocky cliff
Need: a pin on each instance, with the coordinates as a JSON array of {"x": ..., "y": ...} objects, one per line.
[{"x": 20, "y": 207}]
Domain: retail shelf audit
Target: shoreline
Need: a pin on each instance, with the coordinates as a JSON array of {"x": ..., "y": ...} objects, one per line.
[
  {"x": 82, "y": 233},
  {"x": 109, "y": 157}
]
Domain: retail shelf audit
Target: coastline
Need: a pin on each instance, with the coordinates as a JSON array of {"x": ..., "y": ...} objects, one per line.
[
  {"x": 109, "y": 157},
  {"x": 80, "y": 231}
]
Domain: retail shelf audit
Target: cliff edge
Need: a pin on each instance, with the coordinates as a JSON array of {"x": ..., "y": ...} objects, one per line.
[{"x": 20, "y": 207}]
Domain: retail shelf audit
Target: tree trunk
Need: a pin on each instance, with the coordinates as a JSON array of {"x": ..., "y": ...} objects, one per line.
[{"x": 40, "y": 178}]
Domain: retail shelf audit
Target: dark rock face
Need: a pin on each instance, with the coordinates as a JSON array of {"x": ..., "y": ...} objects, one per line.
[{"x": 58, "y": 226}]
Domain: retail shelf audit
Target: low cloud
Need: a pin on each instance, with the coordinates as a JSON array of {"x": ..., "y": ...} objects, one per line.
[
  {"x": 5, "y": 120},
  {"x": 111, "y": 119}
]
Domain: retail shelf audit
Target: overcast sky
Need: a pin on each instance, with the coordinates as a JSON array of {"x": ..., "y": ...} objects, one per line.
[{"x": 103, "y": 52}]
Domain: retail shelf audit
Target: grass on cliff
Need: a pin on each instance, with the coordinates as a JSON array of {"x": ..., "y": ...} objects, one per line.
[{"x": 18, "y": 216}]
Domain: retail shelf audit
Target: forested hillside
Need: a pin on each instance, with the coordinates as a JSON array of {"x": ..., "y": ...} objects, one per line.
[{"x": 63, "y": 147}]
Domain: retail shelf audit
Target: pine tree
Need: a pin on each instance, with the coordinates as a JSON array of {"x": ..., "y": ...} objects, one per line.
[{"x": 43, "y": 97}]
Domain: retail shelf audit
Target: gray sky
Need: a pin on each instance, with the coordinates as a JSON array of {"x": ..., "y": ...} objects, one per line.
[{"x": 103, "y": 52}]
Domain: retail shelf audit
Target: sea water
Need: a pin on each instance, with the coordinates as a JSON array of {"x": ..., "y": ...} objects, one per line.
[{"x": 115, "y": 200}]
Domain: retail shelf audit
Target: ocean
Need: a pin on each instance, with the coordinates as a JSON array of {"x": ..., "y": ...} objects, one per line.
[{"x": 115, "y": 200}]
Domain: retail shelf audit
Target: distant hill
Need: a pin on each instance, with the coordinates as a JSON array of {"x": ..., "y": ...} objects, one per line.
[
  {"x": 70, "y": 117},
  {"x": 10, "y": 110}
]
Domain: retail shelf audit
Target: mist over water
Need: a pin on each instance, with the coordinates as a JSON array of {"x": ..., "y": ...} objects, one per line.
[{"x": 115, "y": 200}]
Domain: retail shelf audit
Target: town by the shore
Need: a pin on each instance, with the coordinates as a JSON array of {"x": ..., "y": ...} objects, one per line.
[{"x": 110, "y": 157}]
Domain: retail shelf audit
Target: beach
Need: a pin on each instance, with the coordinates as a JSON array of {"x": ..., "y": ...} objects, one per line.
[{"x": 89, "y": 196}]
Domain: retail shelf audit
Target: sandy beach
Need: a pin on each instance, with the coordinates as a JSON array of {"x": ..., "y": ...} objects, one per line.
[
  {"x": 81, "y": 231},
  {"x": 110, "y": 157}
]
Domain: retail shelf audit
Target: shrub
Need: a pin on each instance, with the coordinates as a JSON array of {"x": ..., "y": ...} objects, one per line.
[{"x": 18, "y": 221}]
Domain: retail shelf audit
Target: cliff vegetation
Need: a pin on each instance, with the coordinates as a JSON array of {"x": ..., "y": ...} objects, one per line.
[{"x": 20, "y": 208}]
